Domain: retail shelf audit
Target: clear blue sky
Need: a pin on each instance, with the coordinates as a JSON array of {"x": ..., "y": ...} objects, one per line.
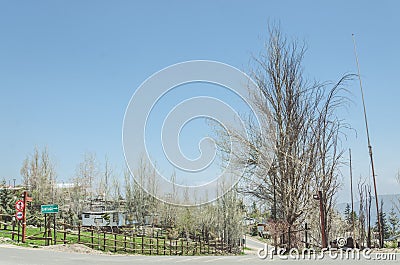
[{"x": 69, "y": 68}]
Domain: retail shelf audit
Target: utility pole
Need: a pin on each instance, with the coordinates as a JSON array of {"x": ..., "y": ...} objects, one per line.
[
  {"x": 319, "y": 197},
  {"x": 369, "y": 149}
]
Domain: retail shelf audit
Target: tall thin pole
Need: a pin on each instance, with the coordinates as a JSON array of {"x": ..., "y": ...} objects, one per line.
[
  {"x": 25, "y": 195},
  {"x": 274, "y": 216},
  {"x": 352, "y": 199},
  {"x": 322, "y": 215},
  {"x": 369, "y": 147}
]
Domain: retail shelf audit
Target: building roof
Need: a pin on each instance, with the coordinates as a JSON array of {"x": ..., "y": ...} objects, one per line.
[{"x": 101, "y": 212}]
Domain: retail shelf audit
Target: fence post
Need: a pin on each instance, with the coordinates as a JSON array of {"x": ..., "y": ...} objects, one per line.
[
  {"x": 164, "y": 246},
  {"x": 142, "y": 244},
  {"x": 195, "y": 246},
  {"x": 18, "y": 232},
  {"x": 134, "y": 243},
  {"x": 104, "y": 240},
  {"x": 92, "y": 235},
  {"x": 125, "y": 242},
  {"x": 115, "y": 242},
  {"x": 45, "y": 228},
  {"x": 50, "y": 236},
  {"x": 200, "y": 245},
  {"x": 55, "y": 228},
  {"x": 13, "y": 230},
  {"x": 65, "y": 233},
  {"x": 157, "y": 245},
  {"x": 150, "y": 244},
  {"x": 79, "y": 234}
]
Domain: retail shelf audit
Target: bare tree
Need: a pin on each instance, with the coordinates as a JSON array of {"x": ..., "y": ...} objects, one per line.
[
  {"x": 329, "y": 153},
  {"x": 39, "y": 176},
  {"x": 87, "y": 173},
  {"x": 368, "y": 201},
  {"x": 144, "y": 183},
  {"x": 231, "y": 211},
  {"x": 305, "y": 147},
  {"x": 83, "y": 188},
  {"x": 105, "y": 184},
  {"x": 361, "y": 215},
  {"x": 116, "y": 194},
  {"x": 129, "y": 196},
  {"x": 168, "y": 211}
]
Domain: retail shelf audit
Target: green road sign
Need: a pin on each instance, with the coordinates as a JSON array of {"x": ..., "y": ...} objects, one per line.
[{"x": 49, "y": 208}]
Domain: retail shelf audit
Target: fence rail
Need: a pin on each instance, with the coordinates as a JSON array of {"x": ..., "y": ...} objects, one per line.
[{"x": 126, "y": 240}]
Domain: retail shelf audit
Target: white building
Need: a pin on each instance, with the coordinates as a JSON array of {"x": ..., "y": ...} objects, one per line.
[{"x": 103, "y": 218}]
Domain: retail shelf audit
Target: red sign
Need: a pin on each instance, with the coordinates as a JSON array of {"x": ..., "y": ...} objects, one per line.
[
  {"x": 19, "y": 205},
  {"x": 19, "y": 215}
]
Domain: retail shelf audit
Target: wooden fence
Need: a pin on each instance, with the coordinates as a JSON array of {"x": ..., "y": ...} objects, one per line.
[{"x": 126, "y": 240}]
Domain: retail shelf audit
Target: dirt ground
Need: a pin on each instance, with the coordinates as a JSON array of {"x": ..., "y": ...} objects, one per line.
[{"x": 73, "y": 248}]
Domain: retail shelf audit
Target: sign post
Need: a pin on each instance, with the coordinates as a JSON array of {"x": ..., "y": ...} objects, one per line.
[
  {"x": 51, "y": 208},
  {"x": 26, "y": 199},
  {"x": 55, "y": 229}
]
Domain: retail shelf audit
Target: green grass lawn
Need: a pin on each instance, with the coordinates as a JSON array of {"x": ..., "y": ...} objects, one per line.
[{"x": 123, "y": 244}]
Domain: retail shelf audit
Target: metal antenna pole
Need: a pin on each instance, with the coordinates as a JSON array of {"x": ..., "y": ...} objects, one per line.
[
  {"x": 369, "y": 147},
  {"x": 352, "y": 200}
]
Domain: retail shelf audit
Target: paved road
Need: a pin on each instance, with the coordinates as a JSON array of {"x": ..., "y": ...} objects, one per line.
[
  {"x": 11, "y": 255},
  {"x": 253, "y": 243}
]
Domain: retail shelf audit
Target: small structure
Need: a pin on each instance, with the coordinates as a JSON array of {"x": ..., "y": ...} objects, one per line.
[
  {"x": 262, "y": 230},
  {"x": 103, "y": 218},
  {"x": 395, "y": 238}
]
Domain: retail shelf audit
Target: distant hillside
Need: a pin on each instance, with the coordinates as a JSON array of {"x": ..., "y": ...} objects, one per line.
[{"x": 389, "y": 201}]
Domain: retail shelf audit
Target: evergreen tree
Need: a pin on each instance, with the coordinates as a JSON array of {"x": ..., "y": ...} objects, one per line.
[
  {"x": 394, "y": 222},
  {"x": 6, "y": 199},
  {"x": 347, "y": 214},
  {"x": 384, "y": 223}
]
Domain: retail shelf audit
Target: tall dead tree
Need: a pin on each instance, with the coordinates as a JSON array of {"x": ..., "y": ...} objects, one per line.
[
  {"x": 39, "y": 176},
  {"x": 362, "y": 210},
  {"x": 305, "y": 145},
  {"x": 368, "y": 201}
]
